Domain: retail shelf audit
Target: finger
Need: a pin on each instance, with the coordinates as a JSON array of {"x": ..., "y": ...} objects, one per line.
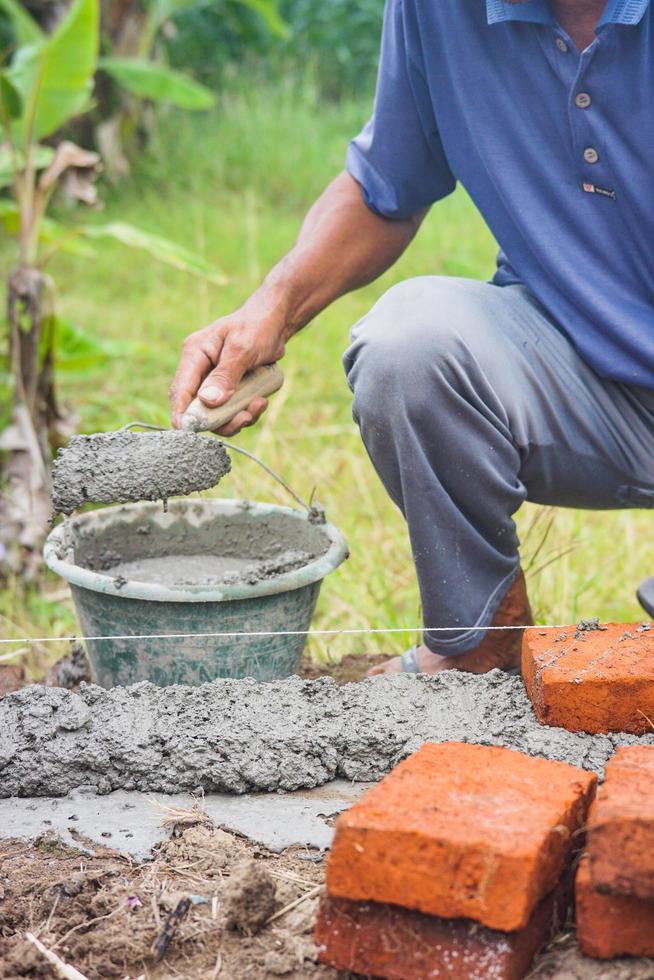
[
  {"x": 257, "y": 407},
  {"x": 249, "y": 416},
  {"x": 240, "y": 421},
  {"x": 254, "y": 411},
  {"x": 235, "y": 359},
  {"x": 198, "y": 356}
]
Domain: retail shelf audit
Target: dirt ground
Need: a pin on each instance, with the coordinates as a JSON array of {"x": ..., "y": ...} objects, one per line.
[
  {"x": 351, "y": 668},
  {"x": 209, "y": 905}
]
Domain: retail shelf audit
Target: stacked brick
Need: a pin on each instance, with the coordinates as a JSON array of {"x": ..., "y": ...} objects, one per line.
[
  {"x": 615, "y": 882},
  {"x": 454, "y": 866},
  {"x": 598, "y": 679}
]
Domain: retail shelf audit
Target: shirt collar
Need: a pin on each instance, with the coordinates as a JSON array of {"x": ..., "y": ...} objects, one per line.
[
  {"x": 538, "y": 11},
  {"x": 534, "y": 11},
  {"x": 623, "y": 12}
]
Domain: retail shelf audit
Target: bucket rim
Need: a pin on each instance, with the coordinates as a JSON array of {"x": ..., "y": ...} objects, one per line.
[{"x": 104, "y": 582}]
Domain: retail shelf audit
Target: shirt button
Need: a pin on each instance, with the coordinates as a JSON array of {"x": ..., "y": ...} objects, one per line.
[
  {"x": 582, "y": 100},
  {"x": 591, "y": 155},
  {"x": 561, "y": 45}
]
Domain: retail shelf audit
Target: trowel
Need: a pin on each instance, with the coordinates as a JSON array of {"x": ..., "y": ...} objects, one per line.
[
  {"x": 260, "y": 382},
  {"x": 120, "y": 466}
]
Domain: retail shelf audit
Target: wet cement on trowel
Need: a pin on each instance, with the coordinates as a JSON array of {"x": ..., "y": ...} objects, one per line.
[
  {"x": 240, "y": 736},
  {"x": 117, "y": 467}
]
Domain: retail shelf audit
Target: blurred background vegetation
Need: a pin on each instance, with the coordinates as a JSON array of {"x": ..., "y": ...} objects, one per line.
[{"x": 291, "y": 84}]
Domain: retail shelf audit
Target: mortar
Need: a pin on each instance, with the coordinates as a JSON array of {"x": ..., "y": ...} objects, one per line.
[{"x": 265, "y": 566}]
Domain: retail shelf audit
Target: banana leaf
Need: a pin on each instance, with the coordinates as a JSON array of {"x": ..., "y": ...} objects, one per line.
[
  {"x": 54, "y": 76},
  {"x": 159, "y": 248},
  {"x": 159, "y": 83},
  {"x": 26, "y": 29}
]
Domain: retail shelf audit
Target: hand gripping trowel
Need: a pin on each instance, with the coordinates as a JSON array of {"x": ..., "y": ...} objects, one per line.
[{"x": 116, "y": 467}]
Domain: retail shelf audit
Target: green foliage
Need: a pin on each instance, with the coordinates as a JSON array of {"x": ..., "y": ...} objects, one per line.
[
  {"x": 269, "y": 14},
  {"x": 53, "y": 235},
  {"x": 9, "y": 216},
  {"x": 337, "y": 39},
  {"x": 56, "y": 237},
  {"x": 340, "y": 37},
  {"x": 10, "y": 104},
  {"x": 158, "y": 82},
  {"x": 160, "y": 11},
  {"x": 41, "y": 158},
  {"x": 48, "y": 82},
  {"x": 79, "y": 353},
  {"x": 25, "y": 28},
  {"x": 156, "y": 246},
  {"x": 54, "y": 76},
  {"x": 279, "y": 143}
]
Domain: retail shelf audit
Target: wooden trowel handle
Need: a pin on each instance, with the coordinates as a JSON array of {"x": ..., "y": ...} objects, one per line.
[{"x": 262, "y": 381}]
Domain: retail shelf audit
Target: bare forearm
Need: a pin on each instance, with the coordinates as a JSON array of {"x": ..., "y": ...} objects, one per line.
[{"x": 342, "y": 245}]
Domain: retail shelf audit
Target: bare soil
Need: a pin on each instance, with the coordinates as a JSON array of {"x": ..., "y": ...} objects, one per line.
[
  {"x": 191, "y": 912},
  {"x": 209, "y": 905},
  {"x": 351, "y": 668}
]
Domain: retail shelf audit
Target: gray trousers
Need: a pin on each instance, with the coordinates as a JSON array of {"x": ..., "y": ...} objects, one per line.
[{"x": 470, "y": 401}]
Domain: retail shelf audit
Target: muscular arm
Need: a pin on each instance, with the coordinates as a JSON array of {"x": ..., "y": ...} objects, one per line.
[{"x": 342, "y": 245}]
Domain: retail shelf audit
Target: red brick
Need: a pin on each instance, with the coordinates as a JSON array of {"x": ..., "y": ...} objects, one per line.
[
  {"x": 388, "y": 941},
  {"x": 611, "y": 925},
  {"x": 591, "y": 681},
  {"x": 621, "y": 825},
  {"x": 462, "y": 831}
]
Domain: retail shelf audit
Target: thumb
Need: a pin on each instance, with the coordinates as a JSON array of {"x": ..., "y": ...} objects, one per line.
[{"x": 221, "y": 383}]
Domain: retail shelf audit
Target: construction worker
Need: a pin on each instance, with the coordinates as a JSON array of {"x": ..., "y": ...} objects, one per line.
[{"x": 473, "y": 397}]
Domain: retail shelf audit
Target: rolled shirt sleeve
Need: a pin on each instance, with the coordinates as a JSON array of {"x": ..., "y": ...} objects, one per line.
[{"x": 398, "y": 158}]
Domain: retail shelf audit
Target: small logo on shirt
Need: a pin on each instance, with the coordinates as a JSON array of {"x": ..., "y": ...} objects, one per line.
[{"x": 594, "y": 189}]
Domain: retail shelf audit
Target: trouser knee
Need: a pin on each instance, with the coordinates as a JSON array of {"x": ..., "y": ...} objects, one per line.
[{"x": 407, "y": 351}]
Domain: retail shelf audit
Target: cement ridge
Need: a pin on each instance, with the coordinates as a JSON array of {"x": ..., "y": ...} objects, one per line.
[{"x": 240, "y": 736}]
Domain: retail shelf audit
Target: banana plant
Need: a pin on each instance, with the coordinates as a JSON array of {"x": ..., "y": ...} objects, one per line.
[
  {"x": 132, "y": 59},
  {"x": 129, "y": 62},
  {"x": 45, "y": 83}
]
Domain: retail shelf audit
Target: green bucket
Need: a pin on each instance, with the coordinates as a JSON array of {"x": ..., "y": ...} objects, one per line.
[{"x": 119, "y": 618}]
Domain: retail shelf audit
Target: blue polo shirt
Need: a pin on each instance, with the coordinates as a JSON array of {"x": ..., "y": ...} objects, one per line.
[{"x": 554, "y": 146}]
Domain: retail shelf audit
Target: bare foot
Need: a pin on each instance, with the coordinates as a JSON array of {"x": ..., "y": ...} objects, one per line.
[
  {"x": 497, "y": 649},
  {"x": 430, "y": 663}
]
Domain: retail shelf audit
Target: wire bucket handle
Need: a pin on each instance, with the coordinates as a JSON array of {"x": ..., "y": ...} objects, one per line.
[{"x": 315, "y": 511}]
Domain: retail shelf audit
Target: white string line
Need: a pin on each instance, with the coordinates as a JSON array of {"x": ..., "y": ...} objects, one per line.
[{"x": 232, "y": 633}]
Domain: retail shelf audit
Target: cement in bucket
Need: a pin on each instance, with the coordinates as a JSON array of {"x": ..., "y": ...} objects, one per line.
[{"x": 83, "y": 550}]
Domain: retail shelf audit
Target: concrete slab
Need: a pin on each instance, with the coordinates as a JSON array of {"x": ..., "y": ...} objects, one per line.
[{"x": 131, "y": 821}]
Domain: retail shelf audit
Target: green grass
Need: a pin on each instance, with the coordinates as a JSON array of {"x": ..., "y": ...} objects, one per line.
[{"x": 234, "y": 186}]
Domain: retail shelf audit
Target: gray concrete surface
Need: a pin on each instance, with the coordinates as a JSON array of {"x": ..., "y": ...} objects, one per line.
[{"x": 131, "y": 821}]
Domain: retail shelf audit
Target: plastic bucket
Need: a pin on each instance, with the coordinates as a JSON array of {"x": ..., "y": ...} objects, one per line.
[{"x": 83, "y": 550}]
